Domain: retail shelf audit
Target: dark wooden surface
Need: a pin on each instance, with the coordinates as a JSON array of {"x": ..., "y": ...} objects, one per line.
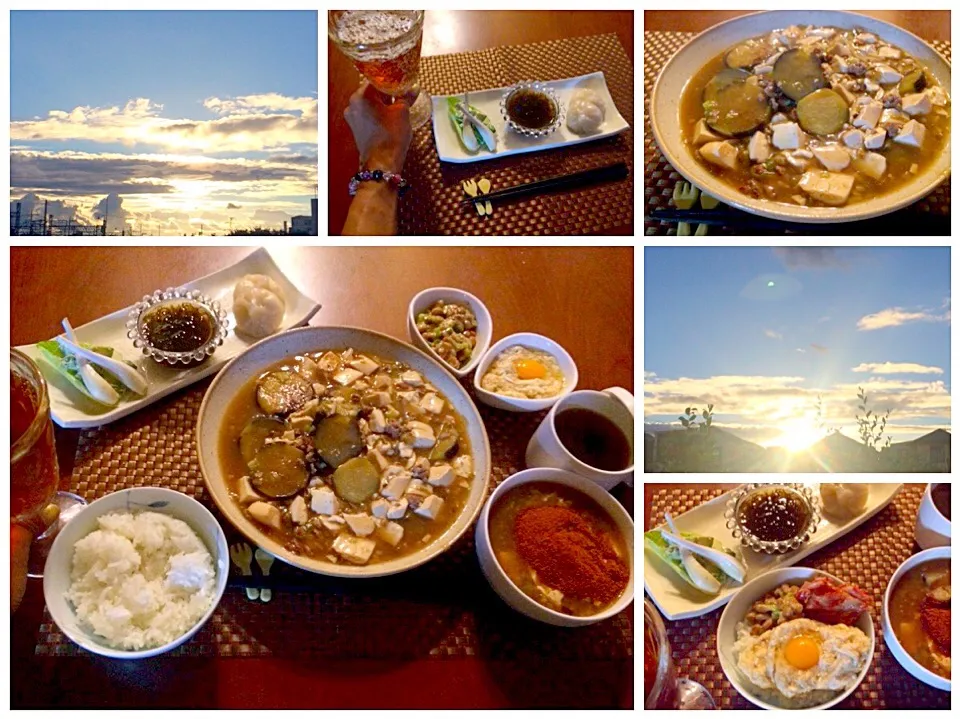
[
  {"x": 927, "y": 24},
  {"x": 448, "y": 32},
  {"x": 581, "y": 297}
]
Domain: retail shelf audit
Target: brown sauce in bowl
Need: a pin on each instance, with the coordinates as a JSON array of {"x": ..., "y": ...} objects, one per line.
[
  {"x": 774, "y": 515},
  {"x": 180, "y": 327},
  {"x": 529, "y": 108}
]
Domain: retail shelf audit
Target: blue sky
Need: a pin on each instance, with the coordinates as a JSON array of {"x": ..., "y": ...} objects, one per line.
[
  {"x": 761, "y": 331},
  {"x": 202, "y": 73}
]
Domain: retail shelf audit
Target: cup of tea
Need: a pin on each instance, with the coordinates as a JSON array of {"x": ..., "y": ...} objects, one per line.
[{"x": 589, "y": 433}]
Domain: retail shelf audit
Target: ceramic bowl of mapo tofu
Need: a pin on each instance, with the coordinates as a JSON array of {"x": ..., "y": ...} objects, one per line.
[
  {"x": 343, "y": 451},
  {"x": 819, "y": 116}
]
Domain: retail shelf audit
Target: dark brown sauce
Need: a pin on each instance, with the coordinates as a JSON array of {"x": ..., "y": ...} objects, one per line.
[
  {"x": 593, "y": 439},
  {"x": 529, "y": 108},
  {"x": 182, "y": 327},
  {"x": 774, "y": 515},
  {"x": 941, "y": 499}
]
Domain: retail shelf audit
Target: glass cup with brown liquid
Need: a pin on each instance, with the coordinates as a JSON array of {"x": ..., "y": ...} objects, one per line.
[
  {"x": 385, "y": 48},
  {"x": 34, "y": 472}
]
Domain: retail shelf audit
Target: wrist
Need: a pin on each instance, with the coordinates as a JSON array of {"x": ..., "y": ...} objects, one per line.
[{"x": 383, "y": 160}]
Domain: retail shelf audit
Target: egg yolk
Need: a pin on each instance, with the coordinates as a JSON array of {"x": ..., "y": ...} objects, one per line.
[
  {"x": 530, "y": 369},
  {"x": 802, "y": 652}
]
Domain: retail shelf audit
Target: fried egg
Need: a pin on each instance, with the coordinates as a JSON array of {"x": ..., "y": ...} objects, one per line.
[{"x": 803, "y": 656}]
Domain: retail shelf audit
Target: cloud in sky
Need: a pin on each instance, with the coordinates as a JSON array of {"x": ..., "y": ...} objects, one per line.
[
  {"x": 773, "y": 334},
  {"x": 818, "y": 348},
  {"x": 896, "y": 316},
  {"x": 761, "y": 405},
  {"x": 896, "y": 368},
  {"x": 246, "y": 123},
  {"x": 810, "y": 258}
]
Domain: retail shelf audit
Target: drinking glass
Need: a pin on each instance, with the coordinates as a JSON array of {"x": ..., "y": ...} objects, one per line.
[
  {"x": 385, "y": 48},
  {"x": 34, "y": 474}
]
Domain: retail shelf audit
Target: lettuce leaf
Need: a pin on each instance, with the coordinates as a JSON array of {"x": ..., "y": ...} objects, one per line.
[{"x": 65, "y": 364}]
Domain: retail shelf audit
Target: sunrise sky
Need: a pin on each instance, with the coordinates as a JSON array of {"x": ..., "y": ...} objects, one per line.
[
  {"x": 760, "y": 332},
  {"x": 168, "y": 120}
]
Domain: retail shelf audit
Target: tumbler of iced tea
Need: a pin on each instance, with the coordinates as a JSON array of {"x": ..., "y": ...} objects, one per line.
[
  {"x": 34, "y": 474},
  {"x": 385, "y": 48}
]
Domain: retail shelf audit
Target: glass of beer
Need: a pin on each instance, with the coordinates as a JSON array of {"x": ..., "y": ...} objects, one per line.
[
  {"x": 385, "y": 47},
  {"x": 34, "y": 473}
]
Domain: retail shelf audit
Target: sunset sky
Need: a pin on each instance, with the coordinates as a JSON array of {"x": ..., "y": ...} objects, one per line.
[
  {"x": 760, "y": 332},
  {"x": 166, "y": 119}
]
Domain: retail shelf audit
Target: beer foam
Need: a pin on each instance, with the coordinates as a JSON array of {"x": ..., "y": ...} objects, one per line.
[{"x": 367, "y": 27}]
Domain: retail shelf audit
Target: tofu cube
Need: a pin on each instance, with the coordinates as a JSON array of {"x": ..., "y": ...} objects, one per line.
[
  {"x": 376, "y": 421},
  {"x": 356, "y": 550},
  {"x": 866, "y": 37},
  {"x": 412, "y": 378},
  {"x": 266, "y": 514},
  {"x": 911, "y": 134},
  {"x": 463, "y": 465},
  {"x": 763, "y": 69},
  {"x": 869, "y": 115},
  {"x": 431, "y": 403},
  {"x": 788, "y": 136},
  {"x": 377, "y": 399},
  {"x": 364, "y": 364},
  {"x": 377, "y": 456},
  {"x": 832, "y": 157},
  {"x": 346, "y": 376},
  {"x": 852, "y": 138},
  {"x": 723, "y": 154},
  {"x": 391, "y": 533},
  {"x": 441, "y": 475},
  {"x": 703, "y": 134},
  {"x": 360, "y": 524},
  {"x": 298, "y": 510},
  {"x": 397, "y": 485},
  {"x": 890, "y": 52},
  {"x": 873, "y": 140},
  {"x": 937, "y": 95},
  {"x": 323, "y": 500},
  {"x": 888, "y": 75},
  {"x": 872, "y": 164},
  {"x": 830, "y": 188},
  {"x": 845, "y": 93},
  {"x": 870, "y": 85},
  {"x": 429, "y": 507},
  {"x": 398, "y": 509},
  {"x": 329, "y": 362},
  {"x": 379, "y": 508},
  {"x": 245, "y": 491},
  {"x": 917, "y": 104},
  {"x": 759, "y": 147},
  {"x": 423, "y": 437},
  {"x": 840, "y": 64},
  {"x": 778, "y": 118}
]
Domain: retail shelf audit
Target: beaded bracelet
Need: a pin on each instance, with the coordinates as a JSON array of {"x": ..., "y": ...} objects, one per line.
[{"x": 392, "y": 178}]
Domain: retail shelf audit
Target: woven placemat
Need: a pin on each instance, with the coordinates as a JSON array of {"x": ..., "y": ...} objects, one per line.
[
  {"x": 432, "y": 206},
  {"x": 868, "y": 556},
  {"x": 659, "y": 177},
  {"x": 443, "y": 609}
]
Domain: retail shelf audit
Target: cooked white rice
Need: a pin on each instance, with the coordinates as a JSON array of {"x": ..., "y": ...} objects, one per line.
[{"x": 141, "y": 580}]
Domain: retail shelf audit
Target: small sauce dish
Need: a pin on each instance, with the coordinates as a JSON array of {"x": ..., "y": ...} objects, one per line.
[
  {"x": 532, "y": 109},
  {"x": 176, "y": 327}
]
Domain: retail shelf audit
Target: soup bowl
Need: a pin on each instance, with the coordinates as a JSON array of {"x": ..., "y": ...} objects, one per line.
[
  {"x": 268, "y": 352},
  {"x": 889, "y": 636},
  {"x": 667, "y": 125},
  {"x": 933, "y": 528}
]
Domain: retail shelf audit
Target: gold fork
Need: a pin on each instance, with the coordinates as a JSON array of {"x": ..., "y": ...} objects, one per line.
[{"x": 242, "y": 556}]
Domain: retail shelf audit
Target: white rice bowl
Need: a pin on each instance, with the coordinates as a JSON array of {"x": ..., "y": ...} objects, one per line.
[{"x": 141, "y": 580}]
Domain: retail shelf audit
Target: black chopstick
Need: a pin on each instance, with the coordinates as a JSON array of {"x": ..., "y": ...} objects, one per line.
[
  {"x": 607, "y": 173},
  {"x": 907, "y": 221}
]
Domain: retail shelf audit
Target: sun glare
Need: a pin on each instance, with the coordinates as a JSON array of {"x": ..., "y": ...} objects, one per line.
[{"x": 798, "y": 434}]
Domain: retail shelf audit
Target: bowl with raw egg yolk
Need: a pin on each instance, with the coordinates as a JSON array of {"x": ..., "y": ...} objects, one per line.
[
  {"x": 798, "y": 663},
  {"x": 525, "y": 372}
]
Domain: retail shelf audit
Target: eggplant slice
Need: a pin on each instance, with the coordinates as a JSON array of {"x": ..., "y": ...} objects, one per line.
[
  {"x": 822, "y": 112},
  {"x": 279, "y": 470},
  {"x": 254, "y": 436},
  {"x": 734, "y": 103},
  {"x": 747, "y": 55},
  {"x": 337, "y": 439},
  {"x": 797, "y": 74},
  {"x": 283, "y": 391},
  {"x": 356, "y": 480}
]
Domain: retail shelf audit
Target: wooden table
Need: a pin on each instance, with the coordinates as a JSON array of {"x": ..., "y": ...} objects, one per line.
[
  {"x": 927, "y": 24},
  {"x": 581, "y": 297},
  {"x": 447, "y": 32}
]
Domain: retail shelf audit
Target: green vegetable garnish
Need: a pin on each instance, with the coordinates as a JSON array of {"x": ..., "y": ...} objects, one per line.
[
  {"x": 65, "y": 365},
  {"x": 474, "y": 140}
]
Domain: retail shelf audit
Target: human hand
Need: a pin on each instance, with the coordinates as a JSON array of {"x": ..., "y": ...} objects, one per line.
[
  {"x": 21, "y": 539},
  {"x": 382, "y": 132}
]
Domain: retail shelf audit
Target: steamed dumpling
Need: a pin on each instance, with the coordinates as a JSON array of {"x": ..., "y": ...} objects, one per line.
[
  {"x": 258, "y": 305},
  {"x": 585, "y": 112},
  {"x": 844, "y": 500}
]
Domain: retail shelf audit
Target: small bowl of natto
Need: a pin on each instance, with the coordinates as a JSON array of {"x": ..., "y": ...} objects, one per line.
[
  {"x": 176, "y": 327},
  {"x": 531, "y": 109}
]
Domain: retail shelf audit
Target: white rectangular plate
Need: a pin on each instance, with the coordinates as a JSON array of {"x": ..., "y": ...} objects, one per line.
[
  {"x": 450, "y": 149},
  {"x": 677, "y": 600},
  {"x": 72, "y": 410}
]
